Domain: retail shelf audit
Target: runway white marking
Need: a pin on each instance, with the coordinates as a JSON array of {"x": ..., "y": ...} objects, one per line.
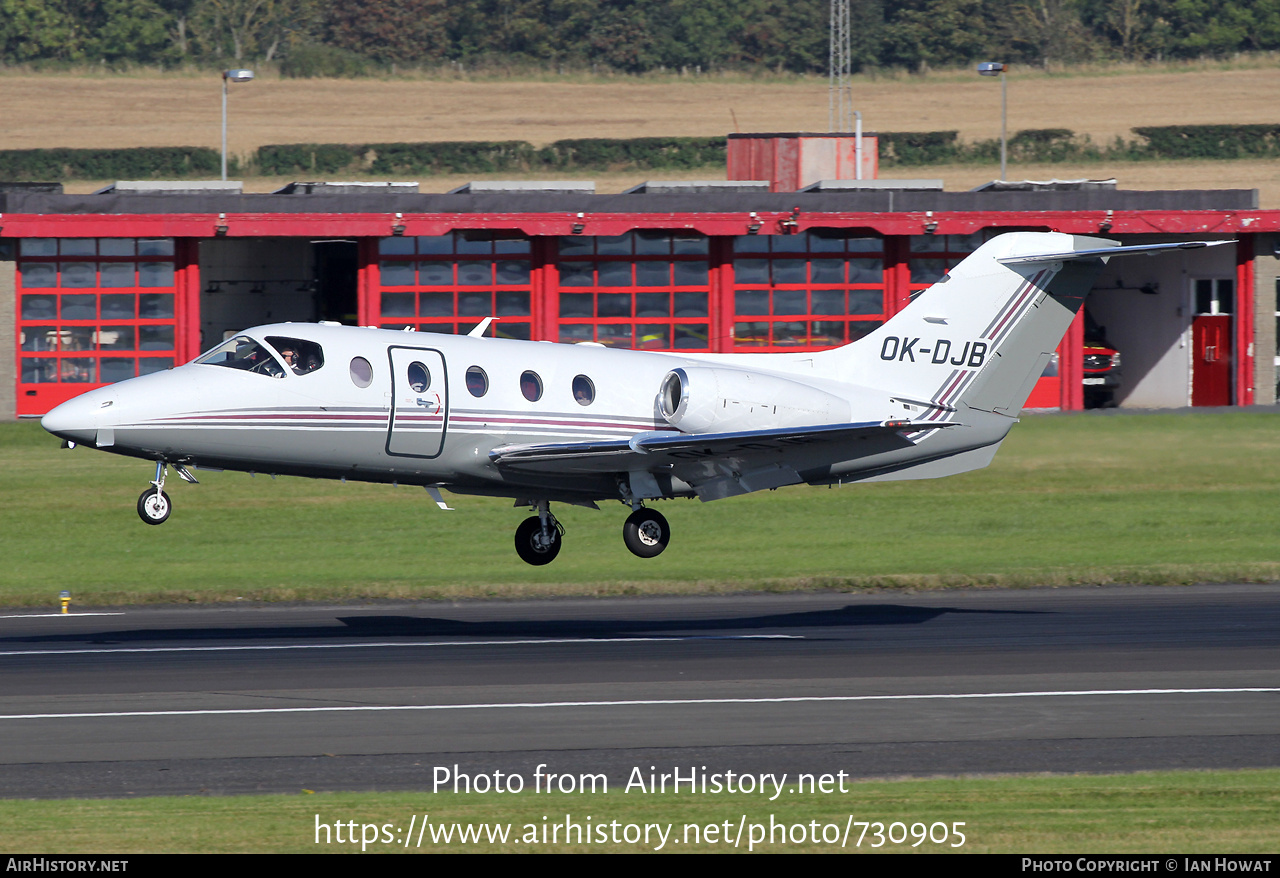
[
  {"x": 569, "y": 640},
  {"x": 650, "y": 702},
  {"x": 56, "y": 615}
]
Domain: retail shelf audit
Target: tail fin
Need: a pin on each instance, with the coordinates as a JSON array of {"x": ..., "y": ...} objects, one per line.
[{"x": 982, "y": 335}]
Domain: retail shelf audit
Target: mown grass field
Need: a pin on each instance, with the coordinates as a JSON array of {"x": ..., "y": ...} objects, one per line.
[
  {"x": 1163, "y": 813},
  {"x": 148, "y": 108},
  {"x": 181, "y": 109},
  {"x": 1070, "y": 499}
]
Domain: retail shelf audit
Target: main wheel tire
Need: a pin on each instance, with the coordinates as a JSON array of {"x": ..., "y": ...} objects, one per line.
[
  {"x": 530, "y": 546},
  {"x": 154, "y": 506},
  {"x": 646, "y": 533}
]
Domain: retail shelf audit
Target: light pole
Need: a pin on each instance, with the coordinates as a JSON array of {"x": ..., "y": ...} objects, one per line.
[
  {"x": 992, "y": 68},
  {"x": 229, "y": 76}
]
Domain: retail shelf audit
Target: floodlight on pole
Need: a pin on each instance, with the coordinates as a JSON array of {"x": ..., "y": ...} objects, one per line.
[
  {"x": 998, "y": 68},
  {"x": 238, "y": 75}
]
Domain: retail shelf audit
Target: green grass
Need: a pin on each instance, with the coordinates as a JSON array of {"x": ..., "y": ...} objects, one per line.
[
  {"x": 1160, "y": 499},
  {"x": 1163, "y": 812}
]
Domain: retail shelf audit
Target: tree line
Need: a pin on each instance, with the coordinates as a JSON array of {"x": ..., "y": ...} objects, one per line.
[{"x": 355, "y": 37}]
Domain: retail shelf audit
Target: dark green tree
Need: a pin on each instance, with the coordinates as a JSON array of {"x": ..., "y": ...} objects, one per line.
[
  {"x": 919, "y": 34},
  {"x": 415, "y": 31},
  {"x": 32, "y": 30}
]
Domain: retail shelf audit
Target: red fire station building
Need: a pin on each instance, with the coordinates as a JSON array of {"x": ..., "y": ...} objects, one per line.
[{"x": 143, "y": 276}]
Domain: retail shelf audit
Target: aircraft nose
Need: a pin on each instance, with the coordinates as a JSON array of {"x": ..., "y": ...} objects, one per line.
[{"x": 76, "y": 419}]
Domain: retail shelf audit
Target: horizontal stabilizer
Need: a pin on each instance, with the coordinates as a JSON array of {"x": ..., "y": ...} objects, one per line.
[{"x": 1107, "y": 252}]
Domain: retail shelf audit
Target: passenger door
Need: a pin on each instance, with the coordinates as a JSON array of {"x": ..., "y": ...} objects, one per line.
[{"x": 419, "y": 402}]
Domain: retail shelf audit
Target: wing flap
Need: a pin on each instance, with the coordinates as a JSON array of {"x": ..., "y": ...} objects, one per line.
[{"x": 662, "y": 451}]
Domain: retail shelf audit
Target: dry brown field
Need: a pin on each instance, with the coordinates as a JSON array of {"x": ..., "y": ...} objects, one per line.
[{"x": 152, "y": 109}]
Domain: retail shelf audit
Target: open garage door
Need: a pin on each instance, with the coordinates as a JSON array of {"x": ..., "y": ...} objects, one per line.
[{"x": 250, "y": 281}]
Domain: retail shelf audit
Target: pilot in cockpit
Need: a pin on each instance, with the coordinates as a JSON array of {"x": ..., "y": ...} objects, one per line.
[
  {"x": 300, "y": 355},
  {"x": 295, "y": 362}
]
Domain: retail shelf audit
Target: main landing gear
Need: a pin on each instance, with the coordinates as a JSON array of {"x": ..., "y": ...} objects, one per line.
[
  {"x": 154, "y": 505},
  {"x": 538, "y": 538},
  {"x": 646, "y": 533}
]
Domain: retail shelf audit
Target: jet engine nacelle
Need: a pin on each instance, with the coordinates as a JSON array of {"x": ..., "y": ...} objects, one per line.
[{"x": 709, "y": 400}]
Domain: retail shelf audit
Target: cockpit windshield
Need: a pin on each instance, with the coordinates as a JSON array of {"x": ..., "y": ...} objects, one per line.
[{"x": 244, "y": 353}]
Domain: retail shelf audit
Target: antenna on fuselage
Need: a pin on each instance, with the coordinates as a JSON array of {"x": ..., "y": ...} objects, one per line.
[{"x": 479, "y": 329}]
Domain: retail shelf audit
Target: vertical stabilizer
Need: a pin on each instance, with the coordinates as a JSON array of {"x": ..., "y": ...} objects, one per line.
[{"x": 982, "y": 335}]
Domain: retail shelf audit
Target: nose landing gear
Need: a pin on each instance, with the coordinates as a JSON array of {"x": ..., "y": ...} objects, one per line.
[{"x": 154, "y": 505}]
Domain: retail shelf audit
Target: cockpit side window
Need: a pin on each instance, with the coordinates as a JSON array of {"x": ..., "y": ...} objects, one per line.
[
  {"x": 245, "y": 354},
  {"x": 299, "y": 354}
]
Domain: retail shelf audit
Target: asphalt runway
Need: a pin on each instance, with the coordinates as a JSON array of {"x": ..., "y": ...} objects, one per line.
[{"x": 277, "y": 699}]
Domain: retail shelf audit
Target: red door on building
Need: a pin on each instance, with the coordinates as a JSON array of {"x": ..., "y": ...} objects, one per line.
[{"x": 1211, "y": 342}]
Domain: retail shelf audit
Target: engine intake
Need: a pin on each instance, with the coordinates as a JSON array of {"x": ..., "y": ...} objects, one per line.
[{"x": 710, "y": 400}]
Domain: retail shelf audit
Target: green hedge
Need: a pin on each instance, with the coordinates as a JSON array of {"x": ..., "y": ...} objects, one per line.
[
  {"x": 139, "y": 163},
  {"x": 1210, "y": 141},
  {"x": 897, "y": 148},
  {"x": 305, "y": 158},
  {"x": 488, "y": 157},
  {"x": 657, "y": 153},
  {"x": 918, "y": 147},
  {"x": 458, "y": 157},
  {"x": 461, "y": 157},
  {"x": 1050, "y": 145}
]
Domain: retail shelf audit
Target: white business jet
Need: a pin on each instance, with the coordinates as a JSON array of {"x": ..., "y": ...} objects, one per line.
[{"x": 930, "y": 393}]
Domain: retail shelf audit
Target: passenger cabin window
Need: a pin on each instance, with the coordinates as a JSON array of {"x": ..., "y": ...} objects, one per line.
[
  {"x": 419, "y": 377},
  {"x": 300, "y": 355},
  {"x": 361, "y": 372},
  {"x": 531, "y": 386},
  {"x": 477, "y": 381},
  {"x": 245, "y": 354},
  {"x": 584, "y": 391}
]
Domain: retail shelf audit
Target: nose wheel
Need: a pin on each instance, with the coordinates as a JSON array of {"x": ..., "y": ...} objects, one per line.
[
  {"x": 154, "y": 506},
  {"x": 646, "y": 533}
]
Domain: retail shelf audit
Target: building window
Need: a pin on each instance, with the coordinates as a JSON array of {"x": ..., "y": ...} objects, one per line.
[
  {"x": 809, "y": 290},
  {"x": 95, "y": 310},
  {"x": 449, "y": 283},
  {"x": 1214, "y": 296},
  {"x": 644, "y": 289}
]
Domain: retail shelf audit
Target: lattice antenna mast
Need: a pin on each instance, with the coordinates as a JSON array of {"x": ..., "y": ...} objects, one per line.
[
  {"x": 840, "y": 96},
  {"x": 840, "y": 113}
]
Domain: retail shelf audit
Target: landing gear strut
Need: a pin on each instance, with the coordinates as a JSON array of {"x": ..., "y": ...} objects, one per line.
[
  {"x": 538, "y": 537},
  {"x": 154, "y": 506},
  {"x": 646, "y": 533}
]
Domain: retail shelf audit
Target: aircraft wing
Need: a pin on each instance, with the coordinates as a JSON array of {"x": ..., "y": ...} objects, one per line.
[{"x": 715, "y": 464}]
